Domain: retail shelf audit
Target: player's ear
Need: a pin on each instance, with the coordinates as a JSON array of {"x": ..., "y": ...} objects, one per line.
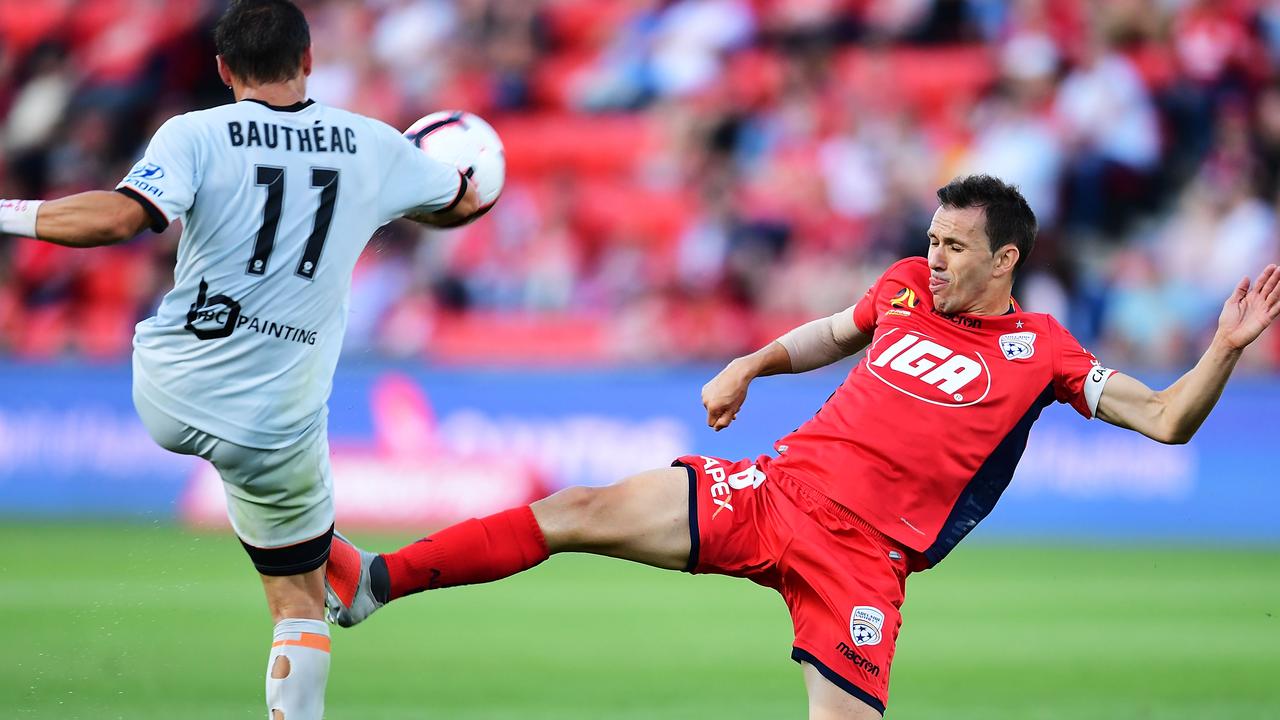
[
  {"x": 306, "y": 62},
  {"x": 1005, "y": 260},
  {"x": 224, "y": 72}
]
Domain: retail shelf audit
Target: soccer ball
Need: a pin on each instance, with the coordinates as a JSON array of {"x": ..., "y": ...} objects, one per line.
[{"x": 467, "y": 142}]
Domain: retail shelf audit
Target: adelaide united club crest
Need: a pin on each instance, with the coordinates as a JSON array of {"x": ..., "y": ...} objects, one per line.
[
  {"x": 865, "y": 625},
  {"x": 1018, "y": 346}
]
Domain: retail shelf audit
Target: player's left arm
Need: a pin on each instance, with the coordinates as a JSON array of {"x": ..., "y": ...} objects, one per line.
[
  {"x": 464, "y": 208},
  {"x": 1174, "y": 414},
  {"x": 815, "y": 344},
  {"x": 87, "y": 219}
]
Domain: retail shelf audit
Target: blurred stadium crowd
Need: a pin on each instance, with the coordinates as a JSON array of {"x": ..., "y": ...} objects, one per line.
[{"x": 687, "y": 178}]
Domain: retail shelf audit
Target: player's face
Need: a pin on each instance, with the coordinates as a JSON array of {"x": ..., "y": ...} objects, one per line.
[{"x": 960, "y": 259}]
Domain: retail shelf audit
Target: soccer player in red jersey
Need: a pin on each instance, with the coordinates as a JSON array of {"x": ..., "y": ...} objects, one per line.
[{"x": 851, "y": 504}]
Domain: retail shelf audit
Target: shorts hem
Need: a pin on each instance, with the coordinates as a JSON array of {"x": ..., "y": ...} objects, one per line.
[
  {"x": 295, "y": 559},
  {"x": 695, "y": 539},
  {"x": 801, "y": 655}
]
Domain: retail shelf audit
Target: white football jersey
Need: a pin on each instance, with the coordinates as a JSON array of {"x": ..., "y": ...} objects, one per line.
[{"x": 276, "y": 205}]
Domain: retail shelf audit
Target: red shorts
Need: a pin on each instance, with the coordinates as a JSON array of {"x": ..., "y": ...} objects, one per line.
[{"x": 842, "y": 580}]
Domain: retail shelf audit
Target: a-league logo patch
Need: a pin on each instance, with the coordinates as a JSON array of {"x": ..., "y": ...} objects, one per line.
[
  {"x": 1018, "y": 346},
  {"x": 149, "y": 171},
  {"x": 906, "y": 298},
  {"x": 865, "y": 625}
]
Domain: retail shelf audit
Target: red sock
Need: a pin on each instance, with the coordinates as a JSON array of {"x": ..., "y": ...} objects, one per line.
[{"x": 474, "y": 551}]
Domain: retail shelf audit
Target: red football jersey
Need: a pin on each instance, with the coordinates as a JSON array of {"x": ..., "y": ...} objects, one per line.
[{"x": 923, "y": 436}]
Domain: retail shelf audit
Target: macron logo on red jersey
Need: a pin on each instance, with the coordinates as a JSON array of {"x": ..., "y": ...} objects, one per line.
[{"x": 915, "y": 365}]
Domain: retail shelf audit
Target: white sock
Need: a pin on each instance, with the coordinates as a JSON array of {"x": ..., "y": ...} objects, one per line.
[{"x": 297, "y": 670}]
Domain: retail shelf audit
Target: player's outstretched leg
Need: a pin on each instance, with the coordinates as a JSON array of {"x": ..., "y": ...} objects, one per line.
[
  {"x": 644, "y": 518},
  {"x": 355, "y": 582}
]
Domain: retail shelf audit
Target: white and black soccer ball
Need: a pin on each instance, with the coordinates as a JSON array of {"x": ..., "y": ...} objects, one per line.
[{"x": 468, "y": 143}]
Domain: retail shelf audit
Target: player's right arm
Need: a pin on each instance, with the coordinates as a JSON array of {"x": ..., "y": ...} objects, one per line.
[
  {"x": 813, "y": 345},
  {"x": 87, "y": 219},
  {"x": 159, "y": 189}
]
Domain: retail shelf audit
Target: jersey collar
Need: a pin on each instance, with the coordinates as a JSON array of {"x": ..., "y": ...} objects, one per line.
[{"x": 301, "y": 105}]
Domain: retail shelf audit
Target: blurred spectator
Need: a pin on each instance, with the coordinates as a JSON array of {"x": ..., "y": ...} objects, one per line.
[{"x": 1112, "y": 137}]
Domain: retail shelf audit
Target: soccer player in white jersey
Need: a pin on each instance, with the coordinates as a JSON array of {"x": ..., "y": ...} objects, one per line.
[{"x": 277, "y": 196}]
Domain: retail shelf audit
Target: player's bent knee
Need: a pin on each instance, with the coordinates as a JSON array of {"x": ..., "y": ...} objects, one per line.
[
  {"x": 569, "y": 519},
  {"x": 295, "y": 596}
]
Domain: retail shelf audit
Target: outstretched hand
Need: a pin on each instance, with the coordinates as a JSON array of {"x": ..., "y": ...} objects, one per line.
[
  {"x": 1250, "y": 310},
  {"x": 723, "y": 396}
]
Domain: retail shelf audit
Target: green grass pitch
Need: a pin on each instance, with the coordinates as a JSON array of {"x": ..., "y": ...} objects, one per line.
[{"x": 141, "y": 622}]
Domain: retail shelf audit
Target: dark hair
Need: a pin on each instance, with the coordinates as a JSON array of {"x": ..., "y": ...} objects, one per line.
[
  {"x": 1009, "y": 217},
  {"x": 262, "y": 41}
]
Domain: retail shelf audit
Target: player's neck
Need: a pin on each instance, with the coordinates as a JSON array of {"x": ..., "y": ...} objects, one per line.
[
  {"x": 281, "y": 94},
  {"x": 996, "y": 302}
]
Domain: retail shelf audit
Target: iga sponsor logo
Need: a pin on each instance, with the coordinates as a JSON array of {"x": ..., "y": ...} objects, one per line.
[
  {"x": 915, "y": 365},
  {"x": 865, "y": 625},
  {"x": 1018, "y": 346}
]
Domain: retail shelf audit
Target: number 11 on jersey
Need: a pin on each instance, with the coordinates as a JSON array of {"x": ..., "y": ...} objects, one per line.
[{"x": 272, "y": 178}]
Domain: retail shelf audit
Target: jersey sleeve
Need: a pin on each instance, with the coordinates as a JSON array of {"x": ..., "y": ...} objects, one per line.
[
  {"x": 165, "y": 180},
  {"x": 1078, "y": 377},
  {"x": 415, "y": 181},
  {"x": 864, "y": 313},
  {"x": 903, "y": 275}
]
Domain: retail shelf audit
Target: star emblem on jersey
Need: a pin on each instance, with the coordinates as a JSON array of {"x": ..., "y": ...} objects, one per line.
[
  {"x": 1018, "y": 346},
  {"x": 865, "y": 625}
]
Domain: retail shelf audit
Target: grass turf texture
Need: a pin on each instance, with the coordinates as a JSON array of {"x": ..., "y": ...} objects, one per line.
[{"x": 145, "y": 622}]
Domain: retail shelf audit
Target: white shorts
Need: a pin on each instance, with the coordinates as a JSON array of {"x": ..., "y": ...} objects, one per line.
[{"x": 276, "y": 499}]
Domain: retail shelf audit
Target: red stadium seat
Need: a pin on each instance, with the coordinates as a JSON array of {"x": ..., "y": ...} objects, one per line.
[
  {"x": 470, "y": 338},
  {"x": 610, "y": 208},
  {"x": 555, "y": 77},
  {"x": 43, "y": 333},
  {"x": 926, "y": 79},
  {"x": 585, "y": 23},
  {"x": 104, "y": 332},
  {"x": 592, "y": 144}
]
